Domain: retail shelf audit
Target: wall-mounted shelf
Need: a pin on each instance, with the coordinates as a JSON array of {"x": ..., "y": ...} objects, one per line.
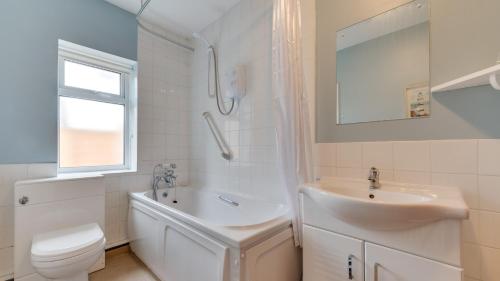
[{"x": 480, "y": 78}]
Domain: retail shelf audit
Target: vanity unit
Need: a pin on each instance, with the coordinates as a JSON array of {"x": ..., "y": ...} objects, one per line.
[
  {"x": 390, "y": 60},
  {"x": 395, "y": 232}
]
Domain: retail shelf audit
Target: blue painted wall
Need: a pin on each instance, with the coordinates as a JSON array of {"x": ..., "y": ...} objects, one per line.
[{"x": 29, "y": 30}]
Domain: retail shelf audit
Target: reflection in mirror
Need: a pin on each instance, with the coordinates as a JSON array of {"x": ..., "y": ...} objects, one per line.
[{"x": 383, "y": 66}]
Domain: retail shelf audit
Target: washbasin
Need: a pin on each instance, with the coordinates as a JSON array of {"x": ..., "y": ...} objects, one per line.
[{"x": 393, "y": 206}]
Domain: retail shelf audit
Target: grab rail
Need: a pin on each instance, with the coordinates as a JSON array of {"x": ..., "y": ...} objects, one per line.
[
  {"x": 225, "y": 152},
  {"x": 227, "y": 200}
]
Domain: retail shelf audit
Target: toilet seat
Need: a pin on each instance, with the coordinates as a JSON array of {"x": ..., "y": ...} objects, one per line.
[
  {"x": 40, "y": 265},
  {"x": 67, "y": 244}
]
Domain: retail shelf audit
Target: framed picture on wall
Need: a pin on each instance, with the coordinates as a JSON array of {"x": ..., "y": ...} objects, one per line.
[{"x": 418, "y": 101}]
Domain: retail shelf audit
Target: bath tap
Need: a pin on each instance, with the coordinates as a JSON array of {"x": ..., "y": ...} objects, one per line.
[
  {"x": 167, "y": 175},
  {"x": 373, "y": 178}
]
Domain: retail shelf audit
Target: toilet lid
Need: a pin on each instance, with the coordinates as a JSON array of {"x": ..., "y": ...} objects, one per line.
[{"x": 66, "y": 243}]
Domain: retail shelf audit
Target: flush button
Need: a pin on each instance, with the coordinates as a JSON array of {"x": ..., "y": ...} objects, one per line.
[{"x": 24, "y": 200}]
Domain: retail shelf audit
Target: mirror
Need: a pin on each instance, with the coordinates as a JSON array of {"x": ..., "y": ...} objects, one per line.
[{"x": 383, "y": 66}]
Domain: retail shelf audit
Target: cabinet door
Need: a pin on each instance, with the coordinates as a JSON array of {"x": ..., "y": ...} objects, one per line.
[
  {"x": 384, "y": 264},
  {"x": 331, "y": 257}
]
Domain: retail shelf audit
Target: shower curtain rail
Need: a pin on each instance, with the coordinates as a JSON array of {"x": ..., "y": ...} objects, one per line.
[
  {"x": 224, "y": 149},
  {"x": 143, "y": 6},
  {"x": 141, "y": 25}
]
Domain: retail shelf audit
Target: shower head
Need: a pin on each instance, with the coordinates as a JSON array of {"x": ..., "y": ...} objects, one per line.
[{"x": 203, "y": 39}]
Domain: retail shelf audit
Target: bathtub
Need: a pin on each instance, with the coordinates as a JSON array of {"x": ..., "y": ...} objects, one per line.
[{"x": 194, "y": 235}]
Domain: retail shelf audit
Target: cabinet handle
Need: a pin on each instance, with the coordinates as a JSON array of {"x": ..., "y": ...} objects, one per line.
[
  {"x": 375, "y": 271},
  {"x": 349, "y": 266}
]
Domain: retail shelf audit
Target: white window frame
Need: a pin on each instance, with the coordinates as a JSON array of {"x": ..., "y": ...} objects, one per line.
[{"x": 128, "y": 98}]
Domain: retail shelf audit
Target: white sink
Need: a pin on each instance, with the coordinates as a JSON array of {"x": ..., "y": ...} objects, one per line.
[{"x": 394, "y": 206}]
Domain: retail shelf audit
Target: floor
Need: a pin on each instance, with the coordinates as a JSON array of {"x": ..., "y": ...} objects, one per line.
[{"x": 123, "y": 265}]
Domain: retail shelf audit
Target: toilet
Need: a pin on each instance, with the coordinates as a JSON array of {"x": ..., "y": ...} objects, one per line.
[{"x": 67, "y": 254}]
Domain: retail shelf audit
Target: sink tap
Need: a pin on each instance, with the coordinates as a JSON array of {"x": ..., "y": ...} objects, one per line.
[{"x": 373, "y": 178}]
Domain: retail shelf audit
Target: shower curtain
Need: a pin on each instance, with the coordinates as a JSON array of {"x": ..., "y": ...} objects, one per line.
[{"x": 291, "y": 105}]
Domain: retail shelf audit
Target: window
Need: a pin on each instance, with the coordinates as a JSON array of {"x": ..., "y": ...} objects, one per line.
[{"x": 97, "y": 104}]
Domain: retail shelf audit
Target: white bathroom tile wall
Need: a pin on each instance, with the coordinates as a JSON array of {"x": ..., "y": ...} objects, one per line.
[
  {"x": 470, "y": 228},
  {"x": 326, "y": 154},
  {"x": 490, "y": 259},
  {"x": 412, "y": 156},
  {"x": 456, "y": 156},
  {"x": 412, "y": 176},
  {"x": 242, "y": 36},
  {"x": 164, "y": 78},
  {"x": 387, "y": 175},
  {"x": 489, "y": 193},
  {"x": 325, "y": 171},
  {"x": 489, "y": 229},
  {"x": 378, "y": 154},
  {"x": 472, "y": 259},
  {"x": 349, "y": 172},
  {"x": 9, "y": 174},
  {"x": 471, "y": 165},
  {"x": 325, "y": 159},
  {"x": 349, "y": 155},
  {"x": 489, "y": 157}
]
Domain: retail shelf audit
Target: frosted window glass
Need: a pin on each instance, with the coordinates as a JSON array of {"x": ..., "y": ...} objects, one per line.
[
  {"x": 90, "y": 78},
  {"x": 90, "y": 133}
]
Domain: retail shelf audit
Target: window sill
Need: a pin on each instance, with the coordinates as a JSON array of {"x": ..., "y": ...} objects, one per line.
[
  {"x": 64, "y": 177},
  {"x": 79, "y": 176},
  {"x": 95, "y": 174},
  {"x": 117, "y": 172}
]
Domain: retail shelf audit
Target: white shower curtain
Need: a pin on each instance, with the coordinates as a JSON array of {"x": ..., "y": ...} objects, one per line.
[{"x": 291, "y": 105}]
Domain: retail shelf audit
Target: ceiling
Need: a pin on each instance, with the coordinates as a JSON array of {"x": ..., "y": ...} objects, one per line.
[{"x": 181, "y": 16}]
